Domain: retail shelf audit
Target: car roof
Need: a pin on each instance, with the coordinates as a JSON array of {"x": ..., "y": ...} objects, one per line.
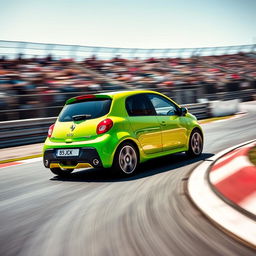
[{"x": 118, "y": 95}]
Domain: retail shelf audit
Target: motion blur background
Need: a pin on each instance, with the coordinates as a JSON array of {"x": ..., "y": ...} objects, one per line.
[
  {"x": 191, "y": 51},
  {"x": 194, "y": 51}
]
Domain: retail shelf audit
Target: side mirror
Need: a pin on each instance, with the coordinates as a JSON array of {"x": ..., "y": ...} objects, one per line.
[{"x": 183, "y": 111}]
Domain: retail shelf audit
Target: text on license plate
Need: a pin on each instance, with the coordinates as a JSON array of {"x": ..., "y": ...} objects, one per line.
[{"x": 68, "y": 152}]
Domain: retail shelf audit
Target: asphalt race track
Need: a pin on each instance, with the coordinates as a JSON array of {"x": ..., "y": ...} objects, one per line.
[{"x": 92, "y": 213}]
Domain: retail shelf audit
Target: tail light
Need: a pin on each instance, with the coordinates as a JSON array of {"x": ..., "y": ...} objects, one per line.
[
  {"x": 104, "y": 126},
  {"x": 50, "y": 131}
]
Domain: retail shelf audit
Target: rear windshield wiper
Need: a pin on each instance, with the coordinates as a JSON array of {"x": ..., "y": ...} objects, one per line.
[{"x": 81, "y": 117}]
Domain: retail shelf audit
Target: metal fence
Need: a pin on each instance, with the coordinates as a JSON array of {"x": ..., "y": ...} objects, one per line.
[{"x": 12, "y": 49}]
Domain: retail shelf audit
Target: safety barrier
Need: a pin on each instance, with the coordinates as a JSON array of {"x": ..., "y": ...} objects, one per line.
[
  {"x": 29, "y": 131},
  {"x": 224, "y": 108},
  {"x": 23, "y": 132}
]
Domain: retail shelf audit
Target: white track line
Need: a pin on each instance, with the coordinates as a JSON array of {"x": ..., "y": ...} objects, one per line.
[
  {"x": 20, "y": 162},
  {"x": 32, "y": 160}
]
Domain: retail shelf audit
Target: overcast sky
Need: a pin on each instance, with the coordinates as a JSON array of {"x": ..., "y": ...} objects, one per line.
[{"x": 130, "y": 23}]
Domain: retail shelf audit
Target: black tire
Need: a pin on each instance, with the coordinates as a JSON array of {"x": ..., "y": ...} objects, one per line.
[
  {"x": 126, "y": 159},
  {"x": 195, "y": 144},
  {"x": 61, "y": 172}
]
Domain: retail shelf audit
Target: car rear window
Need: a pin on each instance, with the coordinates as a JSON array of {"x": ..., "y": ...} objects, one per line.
[{"x": 93, "y": 108}]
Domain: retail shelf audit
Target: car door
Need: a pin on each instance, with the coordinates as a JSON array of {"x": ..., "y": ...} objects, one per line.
[
  {"x": 144, "y": 123},
  {"x": 173, "y": 126}
]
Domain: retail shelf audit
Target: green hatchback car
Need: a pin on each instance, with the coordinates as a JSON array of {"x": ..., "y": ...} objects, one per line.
[{"x": 119, "y": 130}]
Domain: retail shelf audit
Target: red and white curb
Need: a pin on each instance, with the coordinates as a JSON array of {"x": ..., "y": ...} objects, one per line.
[
  {"x": 226, "y": 216},
  {"x": 27, "y": 161},
  {"x": 234, "y": 176}
]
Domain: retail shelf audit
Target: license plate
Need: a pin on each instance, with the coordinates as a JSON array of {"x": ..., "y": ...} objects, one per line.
[{"x": 68, "y": 152}]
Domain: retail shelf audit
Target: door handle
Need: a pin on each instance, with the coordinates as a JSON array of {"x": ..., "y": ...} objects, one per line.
[{"x": 163, "y": 123}]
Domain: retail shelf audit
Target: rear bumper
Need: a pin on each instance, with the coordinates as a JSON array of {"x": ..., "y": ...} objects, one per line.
[
  {"x": 88, "y": 157},
  {"x": 102, "y": 147}
]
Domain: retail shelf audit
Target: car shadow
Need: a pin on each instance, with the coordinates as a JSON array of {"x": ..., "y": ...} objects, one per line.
[{"x": 150, "y": 168}]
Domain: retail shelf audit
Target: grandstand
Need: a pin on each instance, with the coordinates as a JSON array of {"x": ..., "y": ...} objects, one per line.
[{"x": 36, "y": 79}]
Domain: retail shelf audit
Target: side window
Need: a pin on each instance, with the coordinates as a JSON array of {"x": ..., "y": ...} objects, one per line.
[
  {"x": 163, "y": 107},
  {"x": 139, "y": 105}
]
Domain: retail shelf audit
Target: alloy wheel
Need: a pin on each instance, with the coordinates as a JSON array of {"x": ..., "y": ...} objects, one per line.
[
  {"x": 196, "y": 143},
  {"x": 127, "y": 159}
]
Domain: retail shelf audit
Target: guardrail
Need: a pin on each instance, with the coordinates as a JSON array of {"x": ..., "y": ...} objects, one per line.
[
  {"x": 29, "y": 131},
  {"x": 23, "y": 132}
]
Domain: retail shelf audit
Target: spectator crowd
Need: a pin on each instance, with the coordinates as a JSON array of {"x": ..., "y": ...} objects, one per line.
[
  {"x": 43, "y": 82},
  {"x": 218, "y": 73}
]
